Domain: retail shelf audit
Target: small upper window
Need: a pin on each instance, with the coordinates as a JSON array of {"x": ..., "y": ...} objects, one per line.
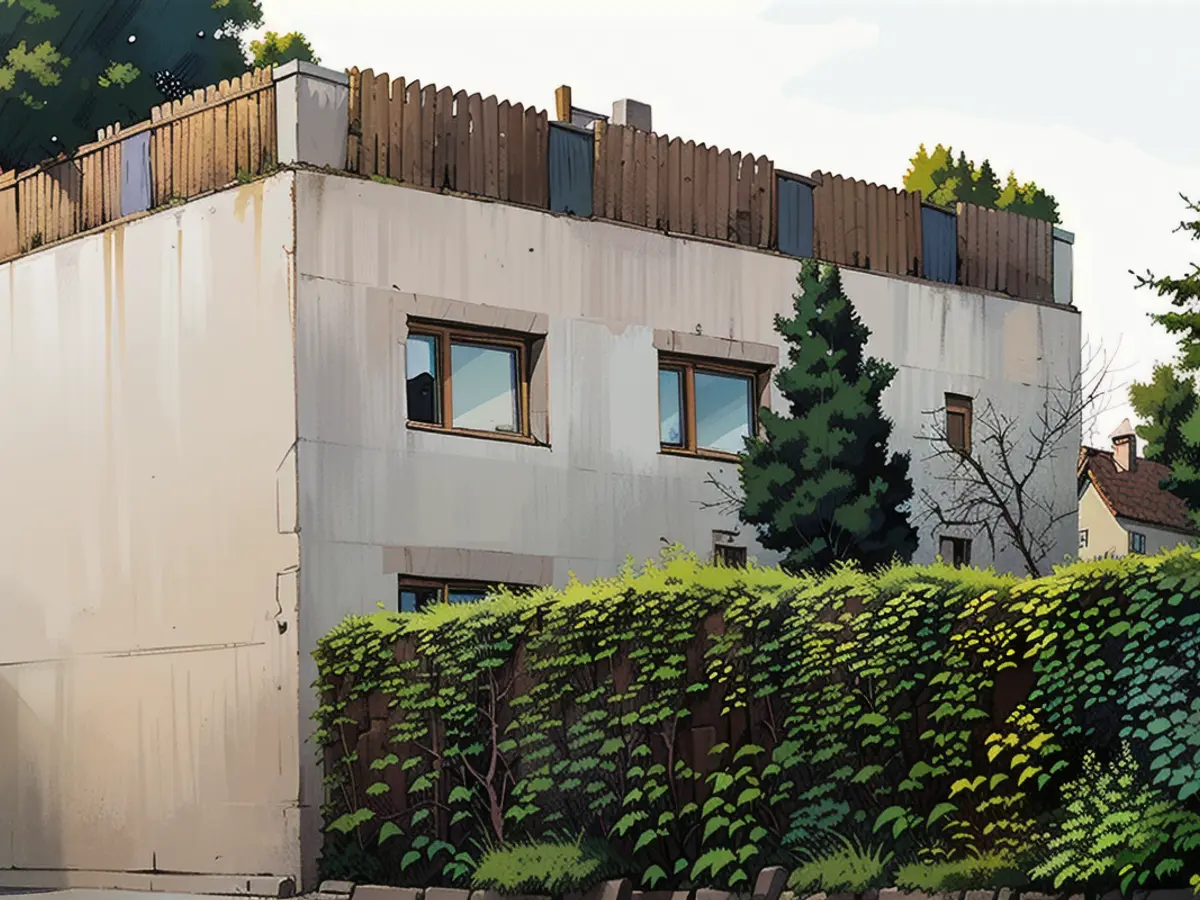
[
  {"x": 956, "y": 551},
  {"x": 706, "y": 408},
  {"x": 473, "y": 382},
  {"x": 1137, "y": 542},
  {"x": 958, "y": 423},
  {"x": 1083, "y": 538}
]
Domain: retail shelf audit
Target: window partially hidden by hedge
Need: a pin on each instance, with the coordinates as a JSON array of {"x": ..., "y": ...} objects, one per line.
[{"x": 689, "y": 724}]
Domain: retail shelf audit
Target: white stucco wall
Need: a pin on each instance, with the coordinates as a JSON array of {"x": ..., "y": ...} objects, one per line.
[
  {"x": 603, "y": 490},
  {"x": 148, "y": 699}
]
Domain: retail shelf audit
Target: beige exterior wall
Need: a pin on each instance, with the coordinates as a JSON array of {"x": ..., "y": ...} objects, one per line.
[
  {"x": 148, "y": 687},
  {"x": 1109, "y": 535},
  {"x": 368, "y": 252}
]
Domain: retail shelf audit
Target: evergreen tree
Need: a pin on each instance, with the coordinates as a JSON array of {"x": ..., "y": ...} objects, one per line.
[
  {"x": 822, "y": 487},
  {"x": 1171, "y": 409},
  {"x": 1168, "y": 403}
]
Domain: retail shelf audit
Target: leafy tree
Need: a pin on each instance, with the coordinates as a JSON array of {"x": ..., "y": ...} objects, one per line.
[
  {"x": 822, "y": 487},
  {"x": 944, "y": 180},
  {"x": 1171, "y": 409},
  {"x": 276, "y": 49},
  {"x": 71, "y": 67}
]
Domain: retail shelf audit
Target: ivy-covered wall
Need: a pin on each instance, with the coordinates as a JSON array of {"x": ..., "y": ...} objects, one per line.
[{"x": 688, "y": 725}]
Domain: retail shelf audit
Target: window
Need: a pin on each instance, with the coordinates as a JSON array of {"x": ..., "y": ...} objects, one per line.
[
  {"x": 733, "y": 557},
  {"x": 419, "y": 593},
  {"x": 726, "y": 552},
  {"x": 958, "y": 423},
  {"x": 956, "y": 551},
  {"x": 1083, "y": 538},
  {"x": 1137, "y": 542},
  {"x": 470, "y": 381},
  {"x": 706, "y": 408}
]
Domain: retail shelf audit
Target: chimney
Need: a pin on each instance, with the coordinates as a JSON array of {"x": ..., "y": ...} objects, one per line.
[
  {"x": 631, "y": 112},
  {"x": 1125, "y": 447}
]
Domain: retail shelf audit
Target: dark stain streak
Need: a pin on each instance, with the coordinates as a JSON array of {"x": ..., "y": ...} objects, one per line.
[{"x": 124, "y": 654}]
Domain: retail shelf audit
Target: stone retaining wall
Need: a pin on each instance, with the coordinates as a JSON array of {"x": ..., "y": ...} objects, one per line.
[{"x": 770, "y": 885}]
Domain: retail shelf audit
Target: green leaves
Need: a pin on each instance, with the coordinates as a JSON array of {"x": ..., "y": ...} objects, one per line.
[{"x": 836, "y": 679}]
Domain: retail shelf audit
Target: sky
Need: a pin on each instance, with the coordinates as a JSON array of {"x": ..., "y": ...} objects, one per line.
[{"x": 1093, "y": 99}]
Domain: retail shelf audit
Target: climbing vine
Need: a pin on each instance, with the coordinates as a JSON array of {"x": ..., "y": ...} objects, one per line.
[{"x": 698, "y": 722}]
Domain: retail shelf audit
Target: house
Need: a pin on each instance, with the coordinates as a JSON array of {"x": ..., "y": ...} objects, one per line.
[
  {"x": 1122, "y": 505},
  {"x": 313, "y": 343}
]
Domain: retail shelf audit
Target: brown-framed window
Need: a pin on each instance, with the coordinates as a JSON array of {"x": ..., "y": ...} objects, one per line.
[
  {"x": 956, "y": 551},
  {"x": 959, "y": 415},
  {"x": 468, "y": 380},
  {"x": 419, "y": 593},
  {"x": 707, "y": 408}
]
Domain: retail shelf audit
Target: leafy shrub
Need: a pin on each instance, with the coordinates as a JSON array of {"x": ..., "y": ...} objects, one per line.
[
  {"x": 995, "y": 870},
  {"x": 851, "y": 868},
  {"x": 1117, "y": 826},
  {"x": 707, "y": 721},
  {"x": 538, "y": 868}
]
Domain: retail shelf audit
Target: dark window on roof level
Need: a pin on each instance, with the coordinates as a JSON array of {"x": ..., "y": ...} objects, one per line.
[
  {"x": 1083, "y": 538},
  {"x": 1137, "y": 542},
  {"x": 958, "y": 422},
  {"x": 956, "y": 551}
]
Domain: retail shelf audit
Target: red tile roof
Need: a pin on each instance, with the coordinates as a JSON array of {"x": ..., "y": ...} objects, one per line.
[{"x": 1136, "y": 494}]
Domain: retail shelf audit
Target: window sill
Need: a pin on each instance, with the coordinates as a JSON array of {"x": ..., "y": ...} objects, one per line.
[
  {"x": 478, "y": 435},
  {"x": 710, "y": 455}
]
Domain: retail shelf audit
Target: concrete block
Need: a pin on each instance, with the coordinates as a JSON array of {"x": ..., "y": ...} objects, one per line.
[
  {"x": 494, "y": 895},
  {"x": 709, "y": 894},
  {"x": 312, "y": 109},
  {"x": 632, "y": 112},
  {"x": 980, "y": 895},
  {"x": 619, "y": 889},
  {"x": 383, "y": 892},
  {"x": 661, "y": 895},
  {"x": 441, "y": 893},
  {"x": 343, "y": 888},
  {"x": 770, "y": 883}
]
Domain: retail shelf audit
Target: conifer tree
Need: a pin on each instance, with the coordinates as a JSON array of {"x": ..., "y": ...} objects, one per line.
[{"x": 821, "y": 485}]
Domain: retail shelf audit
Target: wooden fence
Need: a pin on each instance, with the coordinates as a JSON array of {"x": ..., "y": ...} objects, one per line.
[
  {"x": 203, "y": 142},
  {"x": 448, "y": 140},
  {"x": 1005, "y": 252},
  {"x": 652, "y": 180},
  {"x": 866, "y": 225}
]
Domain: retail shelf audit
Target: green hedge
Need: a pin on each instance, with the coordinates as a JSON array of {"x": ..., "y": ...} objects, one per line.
[{"x": 688, "y": 724}]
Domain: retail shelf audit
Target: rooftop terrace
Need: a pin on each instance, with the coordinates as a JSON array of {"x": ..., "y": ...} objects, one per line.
[{"x": 582, "y": 164}]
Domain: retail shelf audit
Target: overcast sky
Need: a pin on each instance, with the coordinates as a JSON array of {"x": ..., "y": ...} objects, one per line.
[{"x": 1094, "y": 100}]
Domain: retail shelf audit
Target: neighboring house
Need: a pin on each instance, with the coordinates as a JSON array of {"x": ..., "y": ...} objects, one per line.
[
  {"x": 1122, "y": 507},
  {"x": 249, "y": 393}
]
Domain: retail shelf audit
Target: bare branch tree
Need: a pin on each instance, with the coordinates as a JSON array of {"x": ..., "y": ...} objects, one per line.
[
  {"x": 729, "y": 497},
  {"x": 993, "y": 489}
]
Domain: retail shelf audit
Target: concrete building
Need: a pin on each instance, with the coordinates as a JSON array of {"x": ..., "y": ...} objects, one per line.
[
  {"x": 1122, "y": 507},
  {"x": 234, "y": 420}
]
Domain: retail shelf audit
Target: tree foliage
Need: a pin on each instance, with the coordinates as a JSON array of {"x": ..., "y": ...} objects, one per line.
[
  {"x": 71, "y": 67},
  {"x": 701, "y": 722},
  {"x": 943, "y": 179},
  {"x": 276, "y": 49},
  {"x": 1168, "y": 403},
  {"x": 821, "y": 486}
]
